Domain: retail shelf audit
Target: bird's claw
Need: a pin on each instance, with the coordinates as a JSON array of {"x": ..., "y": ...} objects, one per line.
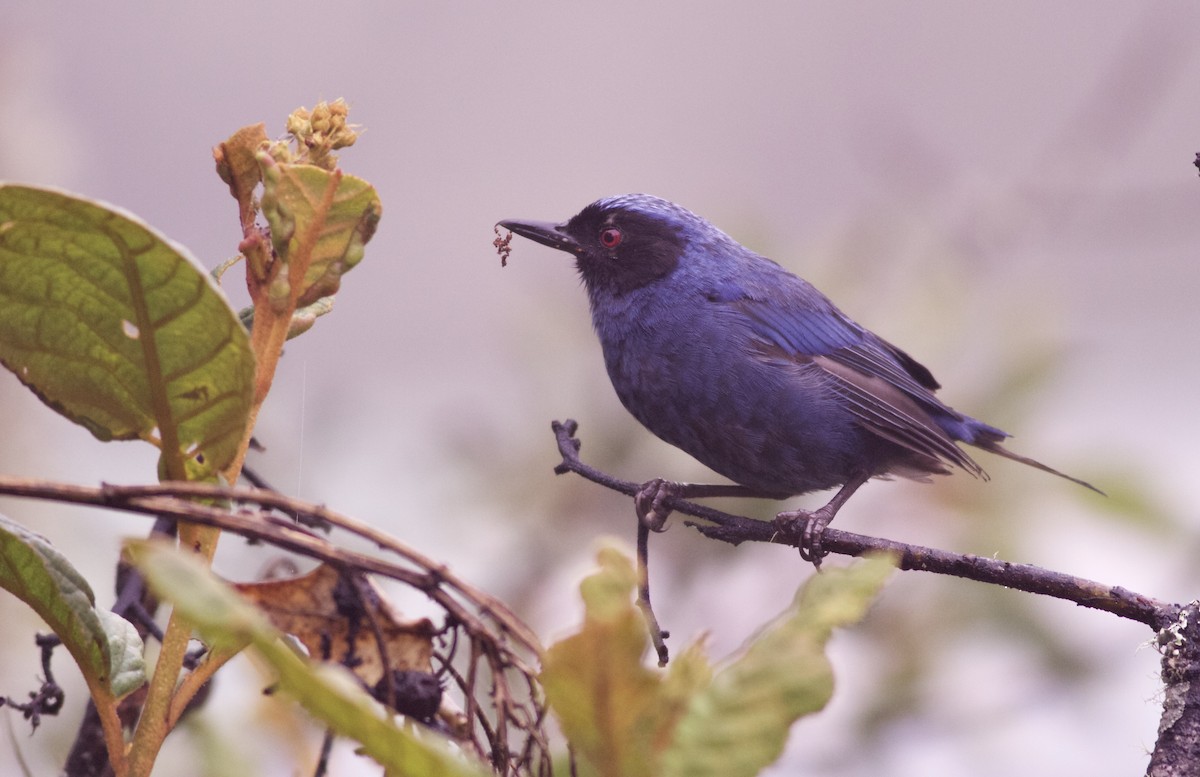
[
  {"x": 650, "y": 503},
  {"x": 808, "y": 528}
]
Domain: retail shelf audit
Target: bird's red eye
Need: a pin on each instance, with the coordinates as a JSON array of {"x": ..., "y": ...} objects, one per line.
[{"x": 610, "y": 237}]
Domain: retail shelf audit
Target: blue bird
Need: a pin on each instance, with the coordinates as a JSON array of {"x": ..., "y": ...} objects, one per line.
[{"x": 751, "y": 370}]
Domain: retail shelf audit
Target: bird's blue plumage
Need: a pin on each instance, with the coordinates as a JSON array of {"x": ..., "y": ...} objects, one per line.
[{"x": 747, "y": 367}]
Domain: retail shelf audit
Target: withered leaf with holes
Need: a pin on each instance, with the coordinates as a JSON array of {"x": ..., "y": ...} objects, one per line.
[{"x": 337, "y": 617}]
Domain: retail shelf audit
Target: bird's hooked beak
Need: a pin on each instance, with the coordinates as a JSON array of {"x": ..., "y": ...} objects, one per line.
[{"x": 544, "y": 232}]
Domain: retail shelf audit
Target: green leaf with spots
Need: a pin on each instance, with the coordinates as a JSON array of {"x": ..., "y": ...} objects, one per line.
[
  {"x": 320, "y": 223},
  {"x": 121, "y": 330},
  {"x": 106, "y": 647}
]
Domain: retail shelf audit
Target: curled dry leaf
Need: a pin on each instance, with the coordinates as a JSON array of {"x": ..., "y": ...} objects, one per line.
[{"x": 344, "y": 618}]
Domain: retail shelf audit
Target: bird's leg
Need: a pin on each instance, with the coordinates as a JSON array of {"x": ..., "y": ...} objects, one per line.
[
  {"x": 815, "y": 521},
  {"x": 649, "y": 503},
  {"x": 652, "y": 500}
]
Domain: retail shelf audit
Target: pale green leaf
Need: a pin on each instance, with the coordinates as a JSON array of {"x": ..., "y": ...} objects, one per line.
[
  {"x": 329, "y": 693},
  {"x": 688, "y": 673},
  {"x": 739, "y": 724},
  {"x": 302, "y": 320},
  {"x": 127, "y": 665},
  {"x": 617, "y": 713},
  {"x": 119, "y": 329},
  {"x": 106, "y": 647}
]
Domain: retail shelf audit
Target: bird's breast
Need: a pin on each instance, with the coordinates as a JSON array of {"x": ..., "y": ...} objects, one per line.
[{"x": 691, "y": 372}]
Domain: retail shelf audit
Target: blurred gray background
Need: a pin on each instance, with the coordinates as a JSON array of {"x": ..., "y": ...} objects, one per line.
[{"x": 1006, "y": 191}]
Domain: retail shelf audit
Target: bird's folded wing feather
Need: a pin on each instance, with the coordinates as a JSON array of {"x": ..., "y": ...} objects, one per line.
[{"x": 889, "y": 393}]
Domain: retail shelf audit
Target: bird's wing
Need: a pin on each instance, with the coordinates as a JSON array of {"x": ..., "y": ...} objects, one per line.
[{"x": 889, "y": 392}]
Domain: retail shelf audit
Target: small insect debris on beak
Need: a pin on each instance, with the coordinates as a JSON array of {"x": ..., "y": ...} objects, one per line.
[{"x": 502, "y": 243}]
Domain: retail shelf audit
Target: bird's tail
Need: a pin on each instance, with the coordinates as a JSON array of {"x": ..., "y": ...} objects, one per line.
[{"x": 994, "y": 446}]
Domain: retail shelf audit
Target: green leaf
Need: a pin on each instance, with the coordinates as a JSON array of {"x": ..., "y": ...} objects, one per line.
[
  {"x": 739, "y": 724},
  {"x": 127, "y": 665},
  {"x": 302, "y": 320},
  {"x": 106, "y": 647},
  {"x": 626, "y": 720},
  {"x": 613, "y": 709},
  {"x": 688, "y": 673},
  {"x": 320, "y": 220},
  {"x": 120, "y": 330},
  {"x": 329, "y": 693}
]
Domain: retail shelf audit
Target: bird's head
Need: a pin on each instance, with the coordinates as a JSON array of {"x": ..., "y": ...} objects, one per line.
[{"x": 622, "y": 243}]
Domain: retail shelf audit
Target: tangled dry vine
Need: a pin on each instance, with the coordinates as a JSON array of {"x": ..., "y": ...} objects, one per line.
[{"x": 489, "y": 654}]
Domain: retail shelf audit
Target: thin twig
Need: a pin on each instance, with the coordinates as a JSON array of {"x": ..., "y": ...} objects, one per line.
[{"x": 657, "y": 636}]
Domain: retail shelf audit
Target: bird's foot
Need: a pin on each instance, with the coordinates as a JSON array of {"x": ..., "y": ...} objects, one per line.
[
  {"x": 650, "y": 502},
  {"x": 807, "y": 527}
]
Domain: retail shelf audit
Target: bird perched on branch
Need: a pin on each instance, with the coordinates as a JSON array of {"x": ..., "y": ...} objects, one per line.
[{"x": 751, "y": 370}]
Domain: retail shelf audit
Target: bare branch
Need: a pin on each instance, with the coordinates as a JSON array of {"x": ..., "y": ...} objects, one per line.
[{"x": 736, "y": 529}]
